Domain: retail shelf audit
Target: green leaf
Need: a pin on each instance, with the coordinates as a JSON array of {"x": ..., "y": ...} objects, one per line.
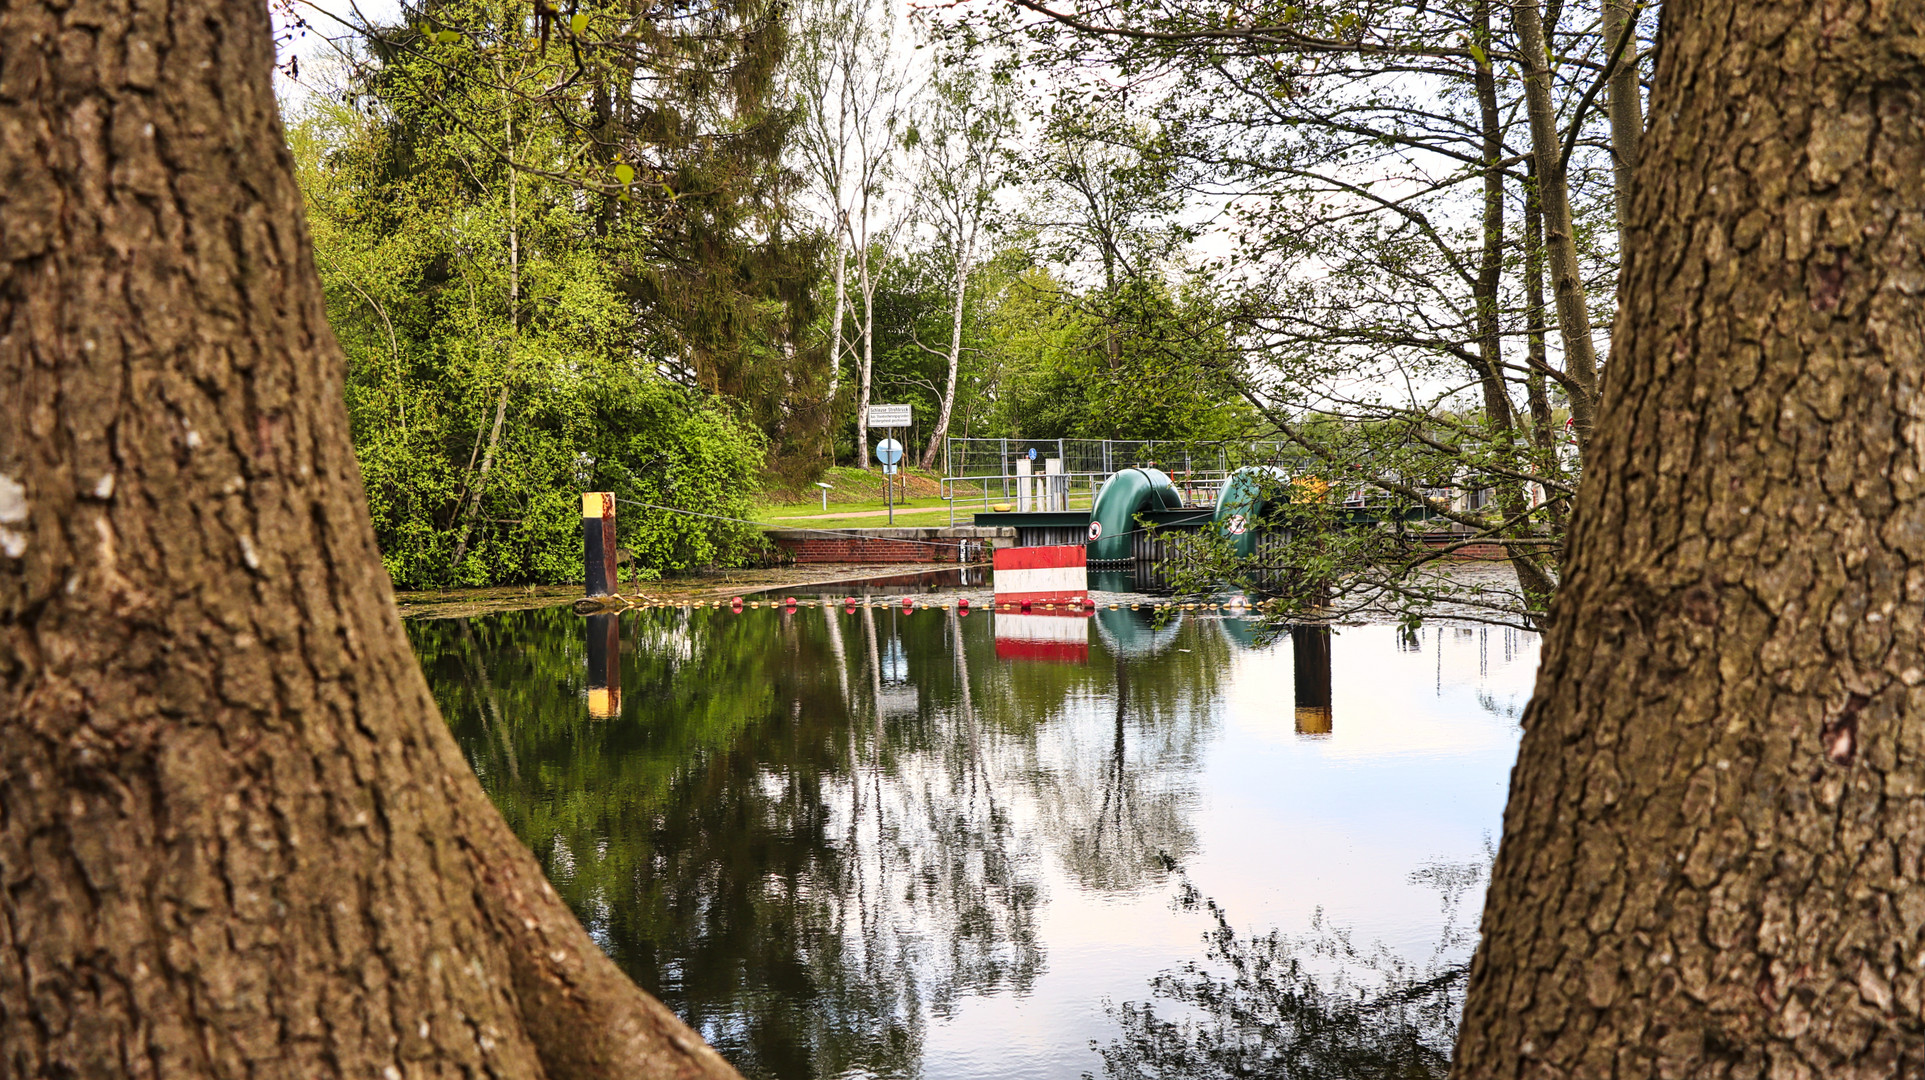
[
  {"x": 578, "y": 24},
  {"x": 625, "y": 173},
  {"x": 1478, "y": 55}
]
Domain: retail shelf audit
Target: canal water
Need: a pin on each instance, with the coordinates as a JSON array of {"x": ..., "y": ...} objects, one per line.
[{"x": 869, "y": 842}]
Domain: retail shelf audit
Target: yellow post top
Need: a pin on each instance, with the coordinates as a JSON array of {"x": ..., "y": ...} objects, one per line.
[
  {"x": 1313, "y": 720},
  {"x": 596, "y": 503},
  {"x": 604, "y": 703}
]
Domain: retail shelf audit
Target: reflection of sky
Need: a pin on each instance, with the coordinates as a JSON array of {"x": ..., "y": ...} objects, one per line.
[{"x": 1414, "y": 772}]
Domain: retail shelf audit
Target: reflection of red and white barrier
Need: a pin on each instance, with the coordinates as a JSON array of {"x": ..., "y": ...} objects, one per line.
[
  {"x": 1063, "y": 638},
  {"x": 1042, "y": 575}
]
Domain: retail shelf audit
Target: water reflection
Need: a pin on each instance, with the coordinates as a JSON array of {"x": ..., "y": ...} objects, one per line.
[
  {"x": 1314, "y": 1006},
  {"x": 604, "y": 665},
  {"x": 1310, "y": 651},
  {"x": 1138, "y": 634},
  {"x": 864, "y": 841}
]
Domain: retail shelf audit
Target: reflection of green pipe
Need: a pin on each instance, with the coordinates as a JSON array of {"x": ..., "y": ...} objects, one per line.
[
  {"x": 1240, "y": 506},
  {"x": 1135, "y": 634},
  {"x": 1125, "y": 495},
  {"x": 1240, "y": 631}
]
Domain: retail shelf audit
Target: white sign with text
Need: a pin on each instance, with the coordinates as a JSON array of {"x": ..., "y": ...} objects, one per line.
[{"x": 889, "y": 416}]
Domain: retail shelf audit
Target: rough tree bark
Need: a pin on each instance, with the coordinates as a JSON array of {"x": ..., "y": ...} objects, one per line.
[
  {"x": 1711, "y": 862},
  {"x": 236, "y": 839}
]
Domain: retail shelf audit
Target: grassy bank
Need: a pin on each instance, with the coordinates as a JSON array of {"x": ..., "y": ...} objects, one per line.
[{"x": 855, "y": 501}]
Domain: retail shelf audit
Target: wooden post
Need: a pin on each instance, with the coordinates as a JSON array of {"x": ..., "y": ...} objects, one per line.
[{"x": 598, "y": 536}]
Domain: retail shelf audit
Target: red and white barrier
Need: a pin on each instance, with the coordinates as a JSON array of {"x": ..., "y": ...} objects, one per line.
[
  {"x": 1063, "y": 638},
  {"x": 1041, "y": 575}
]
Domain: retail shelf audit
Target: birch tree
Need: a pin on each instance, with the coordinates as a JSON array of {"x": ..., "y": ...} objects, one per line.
[
  {"x": 961, "y": 132},
  {"x": 853, "y": 89}
]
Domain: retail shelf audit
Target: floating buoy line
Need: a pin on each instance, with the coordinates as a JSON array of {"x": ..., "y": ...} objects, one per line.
[{"x": 596, "y": 605}]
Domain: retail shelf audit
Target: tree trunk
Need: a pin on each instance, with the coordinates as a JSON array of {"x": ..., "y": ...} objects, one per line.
[
  {"x": 1617, "y": 18},
  {"x": 480, "y": 482},
  {"x": 236, "y": 837},
  {"x": 835, "y": 325},
  {"x": 1532, "y": 582},
  {"x": 1545, "y": 434},
  {"x": 1554, "y": 196},
  {"x": 867, "y": 365},
  {"x": 1711, "y": 862},
  {"x": 955, "y": 353}
]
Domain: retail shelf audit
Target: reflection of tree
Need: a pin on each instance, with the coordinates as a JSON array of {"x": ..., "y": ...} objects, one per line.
[
  {"x": 802, "y": 829},
  {"x": 939, "y": 890},
  {"x": 1315, "y": 1007},
  {"x": 805, "y": 880},
  {"x": 1116, "y": 748}
]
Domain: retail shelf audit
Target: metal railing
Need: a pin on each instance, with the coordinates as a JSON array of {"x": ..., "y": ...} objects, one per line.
[
  {"x": 1027, "y": 493},
  {"x": 984, "y": 473},
  {"x": 1044, "y": 492},
  {"x": 994, "y": 459}
]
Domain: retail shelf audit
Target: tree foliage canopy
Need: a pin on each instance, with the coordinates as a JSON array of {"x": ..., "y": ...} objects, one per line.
[{"x": 547, "y": 279}]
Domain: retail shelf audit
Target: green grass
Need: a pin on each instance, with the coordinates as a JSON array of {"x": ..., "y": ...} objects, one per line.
[
  {"x": 904, "y": 519},
  {"x": 856, "y": 501},
  {"x": 869, "y": 513}
]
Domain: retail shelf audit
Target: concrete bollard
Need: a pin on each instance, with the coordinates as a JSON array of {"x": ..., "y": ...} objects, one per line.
[{"x": 598, "y": 541}]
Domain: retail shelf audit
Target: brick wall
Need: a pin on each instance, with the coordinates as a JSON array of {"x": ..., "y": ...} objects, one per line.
[
  {"x": 874, "y": 549},
  {"x": 950, "y": 545}
]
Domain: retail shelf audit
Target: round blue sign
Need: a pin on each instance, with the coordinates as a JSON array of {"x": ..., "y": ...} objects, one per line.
[{"x": 888, "y": 451}]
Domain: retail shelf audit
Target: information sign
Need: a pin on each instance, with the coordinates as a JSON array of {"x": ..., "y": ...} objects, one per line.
[
  {"x": 889, "y": 451},
  {"x": 890, "y": 416}
]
